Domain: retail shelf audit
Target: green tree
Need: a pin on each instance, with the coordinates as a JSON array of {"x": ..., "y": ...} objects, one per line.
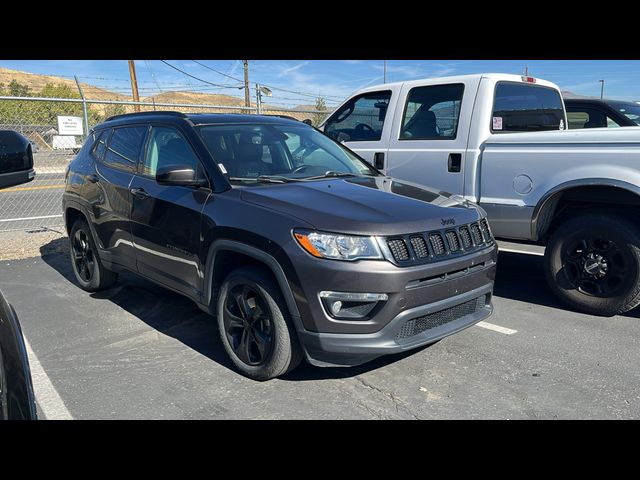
[
  {"x": 17, "y": 89},
  {"x": 320, "y": 107},
  {"x": 47, "y": 112}
]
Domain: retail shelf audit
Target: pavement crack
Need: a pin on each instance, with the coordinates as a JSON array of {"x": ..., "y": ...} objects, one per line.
[{"x": 397, "y": 402}]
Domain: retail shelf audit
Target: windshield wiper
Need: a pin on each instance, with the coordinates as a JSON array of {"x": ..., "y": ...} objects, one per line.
[
  {"x": 331, "y": 174},
  {"x": 263, "y": 179}
]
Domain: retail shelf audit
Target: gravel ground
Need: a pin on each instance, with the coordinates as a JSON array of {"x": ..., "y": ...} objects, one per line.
[{"x": 17, "y": 245}]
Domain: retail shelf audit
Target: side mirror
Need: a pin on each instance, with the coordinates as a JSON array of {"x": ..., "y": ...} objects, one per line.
[
  {"x": 16, "y": 159},
  {"x": 180, "y": 175}
]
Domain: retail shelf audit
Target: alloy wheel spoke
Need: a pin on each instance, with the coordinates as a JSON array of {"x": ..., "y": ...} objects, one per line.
[
  {"x": 242, "y": 350},
  {"x": 233, "y": 321},
  {"x": 261, "y": 343}
]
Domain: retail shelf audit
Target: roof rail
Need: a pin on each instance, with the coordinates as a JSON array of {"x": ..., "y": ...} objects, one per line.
[{"x": 143, "y": 114}]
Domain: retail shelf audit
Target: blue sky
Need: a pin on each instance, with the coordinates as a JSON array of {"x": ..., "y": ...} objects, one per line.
[{"x": 333, "y": 79}]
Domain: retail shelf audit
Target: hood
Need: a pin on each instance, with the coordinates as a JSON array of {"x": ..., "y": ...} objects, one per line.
[{"x": 364, "y": 205}]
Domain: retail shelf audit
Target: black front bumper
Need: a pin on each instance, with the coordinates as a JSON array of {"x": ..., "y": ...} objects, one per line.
[
  {"x": 16, "y": 178},
  {"x": 425, "y": 303},
  {"x": 337, "y": 349}
]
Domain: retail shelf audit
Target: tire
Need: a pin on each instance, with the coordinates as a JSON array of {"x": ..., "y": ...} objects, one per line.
[
  {"x": 592, "y": 263},
  {"x": 83, "y": 251},
  {"x": 259, "y": 336}
]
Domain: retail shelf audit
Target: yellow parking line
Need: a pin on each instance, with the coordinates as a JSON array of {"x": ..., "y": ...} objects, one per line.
[{"x": 24, "y": 189}]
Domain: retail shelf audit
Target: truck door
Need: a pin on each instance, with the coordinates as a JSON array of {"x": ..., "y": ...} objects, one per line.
[
  {"x": 429, "y": 134},
  {"x": 363, "y": 124}
]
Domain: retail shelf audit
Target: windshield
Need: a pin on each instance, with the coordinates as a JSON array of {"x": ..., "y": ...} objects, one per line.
[
  {"x": 631, "y": 111},
  {"x": 286, "y": 152}
]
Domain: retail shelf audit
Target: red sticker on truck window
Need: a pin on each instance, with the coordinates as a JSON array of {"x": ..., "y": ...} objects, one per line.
[{"x": 497, "y": 123}]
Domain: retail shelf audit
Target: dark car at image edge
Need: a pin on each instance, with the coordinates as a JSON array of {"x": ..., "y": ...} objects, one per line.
[
  {"x": 16, "y": 159},
  {"x": 297, "y": 246}
]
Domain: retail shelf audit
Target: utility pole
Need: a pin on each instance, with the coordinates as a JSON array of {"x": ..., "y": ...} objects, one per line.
[
  {"x": 134, "y": 85},
  {"x": 385, "y": 72},
  {"x": 601, "y": 88},
  {"x": 258, "y": 100},
  {"x": 247, "y": 97}
]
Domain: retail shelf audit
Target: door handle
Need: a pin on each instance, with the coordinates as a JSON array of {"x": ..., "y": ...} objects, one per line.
[
  {"x": 454, "y": 164},
  {"x": 378, "y": 160},
  {"x": 140, "y": 193},
  {"x": 93, "y": 178}
]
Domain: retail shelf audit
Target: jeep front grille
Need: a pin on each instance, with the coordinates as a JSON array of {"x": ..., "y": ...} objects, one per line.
[
  {"x": 466, "y": 237},
  {"x": 452, "y": 240},
  {"x": 476, "y": 234},
  {"x": 432, "y": 246},
  {"x": 437, "y": 244},
  {"x": 398, "y": 249},
  {"x": 420, "y": 247}
]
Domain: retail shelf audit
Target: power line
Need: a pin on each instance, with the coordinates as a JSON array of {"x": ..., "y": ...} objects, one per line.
[
  {"x": 196, "y": 78},
  {"x": 214, "y": 70}
]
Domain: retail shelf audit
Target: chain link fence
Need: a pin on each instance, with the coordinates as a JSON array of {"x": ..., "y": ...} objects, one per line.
[{"x": 38, "y": 205}]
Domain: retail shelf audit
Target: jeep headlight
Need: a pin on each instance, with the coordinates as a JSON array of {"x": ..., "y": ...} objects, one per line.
[{"x": 337, "y": 246}]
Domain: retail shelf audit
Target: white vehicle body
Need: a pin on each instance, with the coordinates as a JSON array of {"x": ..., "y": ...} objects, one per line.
[
  {"x": 512, "y": 175},
  {"x": 500, "y": 140}
]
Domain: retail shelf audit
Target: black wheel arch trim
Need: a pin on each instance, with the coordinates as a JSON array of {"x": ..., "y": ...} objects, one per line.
[
  {"x": 260, "y": 255},
  {"x": 12, "y": 340},
  {"x": 549, "y": 196}
]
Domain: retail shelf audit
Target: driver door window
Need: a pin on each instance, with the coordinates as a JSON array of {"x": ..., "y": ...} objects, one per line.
[{"x": 361, "y": 119}]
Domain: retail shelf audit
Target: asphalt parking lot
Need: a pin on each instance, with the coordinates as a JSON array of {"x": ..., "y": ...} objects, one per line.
[{"x": 138, "y": 351}]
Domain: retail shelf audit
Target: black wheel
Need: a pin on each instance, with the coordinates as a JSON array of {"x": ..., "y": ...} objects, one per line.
[
  {"x": 254, "y": 325},
  {"x": 592, "y": 262},
  {"x": 87, "y": 267}
]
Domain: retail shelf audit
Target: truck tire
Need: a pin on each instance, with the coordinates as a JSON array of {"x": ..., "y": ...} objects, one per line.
[
  {"x": 592, "y": 263},
  {"x": 91, "y": 275},
  {"x": 254, "y": 325}
]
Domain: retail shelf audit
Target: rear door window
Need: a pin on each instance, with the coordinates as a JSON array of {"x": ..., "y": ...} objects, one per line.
[
  {"x": 432, "y": 112},
  {"x": 124, "y": 147},
  {"x": 360, "y": 119},
  {"x": 525, "y": 107}
]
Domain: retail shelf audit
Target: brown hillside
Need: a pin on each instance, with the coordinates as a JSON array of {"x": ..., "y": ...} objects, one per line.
[{"x": 36, "y": 82}]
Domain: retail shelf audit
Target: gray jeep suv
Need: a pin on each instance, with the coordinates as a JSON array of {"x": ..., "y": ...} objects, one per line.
[{"x": 297, "y": 246}]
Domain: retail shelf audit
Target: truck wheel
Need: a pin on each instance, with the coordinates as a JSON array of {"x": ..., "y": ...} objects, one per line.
[
  {"x": 592, "y": 263},
  {"x": 91, "y": 275},
  {"x": 254, "y": 325}
]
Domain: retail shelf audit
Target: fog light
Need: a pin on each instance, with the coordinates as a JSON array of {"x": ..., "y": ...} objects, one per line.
[
  {"x": 351, "y": 305},
  {"x": 335, "y": 307}
]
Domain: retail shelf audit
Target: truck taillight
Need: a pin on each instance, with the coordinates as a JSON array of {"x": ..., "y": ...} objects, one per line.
[{"x": 528, "y": 79}]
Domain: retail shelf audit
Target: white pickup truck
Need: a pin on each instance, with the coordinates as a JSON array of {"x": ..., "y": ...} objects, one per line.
[{"x": 500, "y": 140}]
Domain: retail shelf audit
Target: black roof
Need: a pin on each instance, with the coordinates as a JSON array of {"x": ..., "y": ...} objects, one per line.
[
  {"x": 598, "y": 101},
  {"x": 202, "y": 118}
]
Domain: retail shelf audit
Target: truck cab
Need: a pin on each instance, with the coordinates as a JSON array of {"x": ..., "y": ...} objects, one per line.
[{"x": 430, "y": 131}]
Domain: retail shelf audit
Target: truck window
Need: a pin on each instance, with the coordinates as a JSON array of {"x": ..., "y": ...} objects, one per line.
[
  {"x": 360, "y": 119},
  {"x": 432, "y": 112},
  {"x": 520, "y": 107},
  {"x": 589, "y": 118}
]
